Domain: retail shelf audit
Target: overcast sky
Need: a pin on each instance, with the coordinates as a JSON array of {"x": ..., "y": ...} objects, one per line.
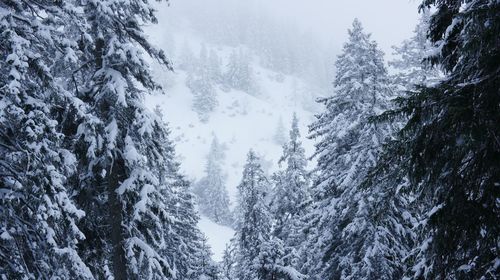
[{"x": 389, "y": 21}]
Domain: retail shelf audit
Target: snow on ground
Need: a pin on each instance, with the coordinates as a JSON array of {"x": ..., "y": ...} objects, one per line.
[{"x": 218, "y": 236}]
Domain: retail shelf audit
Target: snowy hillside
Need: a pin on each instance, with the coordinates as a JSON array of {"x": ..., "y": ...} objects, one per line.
[
  {"x": 241, "y": 121},
  {"x": 259, "y": 119}
]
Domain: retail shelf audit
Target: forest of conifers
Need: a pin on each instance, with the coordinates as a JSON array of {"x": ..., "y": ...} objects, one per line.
[{"x": 405, "y": 181}]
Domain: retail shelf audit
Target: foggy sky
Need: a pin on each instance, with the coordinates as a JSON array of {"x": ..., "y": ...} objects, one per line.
[{"x": 389, "y": 21}]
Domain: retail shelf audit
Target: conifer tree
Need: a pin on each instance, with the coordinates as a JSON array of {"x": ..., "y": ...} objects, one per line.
[
  {"x": 279, "y": 136},
  {"x": 186, "y": 59},
  {"x": 254, "y": 221},
  {"x": 353, "y": 237},
  {"x": 130, "y": 180},
  {"x": 212, "y": 193},
  {"x": 457, "y": 119},
  {"x": 214, "y": 66},
  {"x": 228, "y": 263},
  {"x": 239, "y": 73},
  {"x": 38, "y": 218},
  {"x": 412, "y": 70},
  {"x": 259, "y": 255},
  {"x": 72, "y": 99},
  {"x": 201, "y": 85},
  {"x": 291, "y": 194},
  {"x": 187, "y": 248}
]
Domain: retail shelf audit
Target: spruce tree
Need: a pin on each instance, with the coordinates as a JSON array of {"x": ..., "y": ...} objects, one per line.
[
  {"x": 279, "y": 136},
  {"x": 38, "y": 218},
  {"x": 186, "y": 60},
  {"x": 290, "y": 197},
  {"x": 352, "y": 236},
  {"x": 228, "y": 263},
  {"x": 214, "y": 66},
  {"x": 259, "y": 255},
  {"x": 239, "y": 73},
  {"x": 412, "y": 69},
  {"x": 186, "y": 245},
  {"x": 254, "y": 221},
  {"x": 451, "y": 144},
  {"x": 129, "y": 180},
  {"x": 211, "y": 189},
  {"x": 201, "y": 85}
]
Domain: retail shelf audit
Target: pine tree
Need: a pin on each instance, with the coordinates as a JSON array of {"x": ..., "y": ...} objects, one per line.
[
  {"x": 38, "y": 218},
  {"x": 259, "y": 255},
  {"x": 228, "y": 263},
  {"x": 272, "y": 262},
  {"x": 187, "y": 60},
  {"x": 129, "y": 177},
  {"x": 239, "y": 73},
  {"x": 214, "y": 66},
  {"x": 457, "y": 119},
  {"x": 354, "y": 237},
  {"x": 254, "y": 223},
  {"x": 290, "y": 196},
  {"x": 187, "y": 248},
  {"x": 200, "y": 83},
  {"x": 208, "y": 269},
  {"x": 410, "y": 59},
  {"x": 212, "y": 193},
  {"x": 279, "y": 136}
]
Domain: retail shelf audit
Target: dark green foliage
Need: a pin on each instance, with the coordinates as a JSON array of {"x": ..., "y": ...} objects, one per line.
[{"x": 452, "y": 142}]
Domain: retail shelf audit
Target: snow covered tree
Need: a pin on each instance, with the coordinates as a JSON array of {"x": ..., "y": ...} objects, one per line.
[
  {"x": 187, "y": 248},
  {"x": 38, "y": 219},
  {"x": 72, "y": 82},
  {"x": 272, "y": 262},
  {"x": 129, "y": 180},
  {"x": 214, "y": 67},
  {"x": 208, "y": 269},
  {"x": 279, "y": 136},
  {"x": 259, "y": 255},
  {"x": 186, "y": 60},
  {"x": 200, "y": 83},
  {"x": 254, "y": 221},
  {"x": 290, "y": 196},
  {"x": 205, "y": 97},
  {"x": 352, "y": 237},
  {"x": 213, "y": 198},
  {"x": 457, "y": 119},
  {"x": 292, "y": 187},
  {"x": 412, "y": 70},
  {"x": 239, "y": 73},
  {"x": 228, "y": 263}
]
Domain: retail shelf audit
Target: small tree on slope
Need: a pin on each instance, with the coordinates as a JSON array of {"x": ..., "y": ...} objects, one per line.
[
  {"x": 212, "y": 193},
  {"x": 290, "y": 196},
  {"x": 259, "y": 255}
]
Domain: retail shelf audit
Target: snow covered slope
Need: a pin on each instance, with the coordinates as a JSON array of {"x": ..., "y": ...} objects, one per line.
[{"x": 218, "y": 236}]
